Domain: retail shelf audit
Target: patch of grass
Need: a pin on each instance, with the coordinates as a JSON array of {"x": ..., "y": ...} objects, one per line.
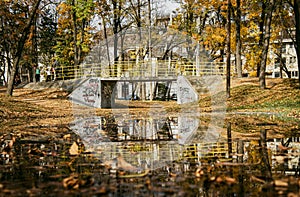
[
  {"x": 253, "y": 123},
  {"x": 283, "y": 97}
]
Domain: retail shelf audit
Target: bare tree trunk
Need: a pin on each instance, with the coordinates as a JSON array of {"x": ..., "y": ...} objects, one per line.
[
  {"x": 261, "y": 37},
  {"x": 266, "y": 167},
  {"x": 76, "y": 51},
  {"x": 115, "y": 27},
  {"x": 35, "y": 50},
  {"x": 297, "y": 18},
  {"x": 106, "y": 41},
  {"x": 229, "y": 140},
  {"x": 228, "y": 29},
  {"x": 116, "y": 22},
  {"x": 238, "y": 60},
  {"x": 281, "y": 63},
  {"x": 21, "y": 43},
  {"x": 139, "y": 24},
  {"x": 262, "y": 74},
  {"x": 152, "y": 91}
]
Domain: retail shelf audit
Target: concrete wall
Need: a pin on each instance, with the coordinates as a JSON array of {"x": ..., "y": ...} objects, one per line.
[{"x": 185, "y": 91}]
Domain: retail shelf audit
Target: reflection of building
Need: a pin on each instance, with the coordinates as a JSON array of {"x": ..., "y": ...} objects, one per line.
[
  {"x": 289, "y": 158},
  {"x": 153, "y": 140}
]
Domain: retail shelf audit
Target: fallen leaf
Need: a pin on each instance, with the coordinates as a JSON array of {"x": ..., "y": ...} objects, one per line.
[
  {"x": 71, "y": 182},
  {"x": 102, "y": 190},
  {"x": 66, "y": 137},
  {"x": 74, "y": 149},
  {"x": 199, "y": 172},
  {"x": 122, "y": 164},
  {"x": 281, "y": 183},
  {"x": 173, "y": 174},
  {"x": 230, "y": 180},
  {"x": 253, "y": 178},
  {"x": 121, "y": 173},
  {"x": 292, "y": 195},
  {"x": 219, "y": 179}
]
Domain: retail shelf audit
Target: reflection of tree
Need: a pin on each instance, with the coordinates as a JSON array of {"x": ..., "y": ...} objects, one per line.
[
  {"x": 166, "y": 130},
  {"x": 229, "y": 140},
  {"x": 253, "y": 150},
  {"x": 297, "y": 170},
  {"x": 265, "y": 167},
  {"x": 258, "y": 154},
  {"x": 283, "y": 151},
  {"x": 240, "y": 159},
  {"x": 110, "y": 127}
]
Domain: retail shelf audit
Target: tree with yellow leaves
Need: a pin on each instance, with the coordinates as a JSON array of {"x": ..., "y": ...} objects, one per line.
[{"x": 74, "y": 31}]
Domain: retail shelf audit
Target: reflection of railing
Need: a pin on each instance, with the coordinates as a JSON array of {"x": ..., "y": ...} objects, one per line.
[
  {"x": 142, "y": 69},
  {"x": 215, "y": 150}
]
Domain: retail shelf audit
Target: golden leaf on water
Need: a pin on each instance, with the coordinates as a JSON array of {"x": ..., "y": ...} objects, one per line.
[
  {"x": 230, "y": 180},
  {"x": 122, "y": 164},
  {"x": 281, "y": 183},
  {"x": 199, "y": 172},
  {"x": 71, "y": 182},
  {"x": 74, "y": 149},
  {"x": 67, "y": 136}
]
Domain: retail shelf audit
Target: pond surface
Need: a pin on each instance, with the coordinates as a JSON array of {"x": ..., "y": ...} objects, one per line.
[{"x": 159, "y": 156}]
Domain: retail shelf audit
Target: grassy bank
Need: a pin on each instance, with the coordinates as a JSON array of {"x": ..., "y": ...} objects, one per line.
[
  {"x": 281, "y": 96},
  {"x": 276, "y": 108}
]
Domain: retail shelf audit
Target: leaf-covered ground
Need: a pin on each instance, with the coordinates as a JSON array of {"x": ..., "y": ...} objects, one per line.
[
  {"x": 43, "y": 112},
  {"x": 281, "y": 95},
  {"x": 248, "y": 109}
]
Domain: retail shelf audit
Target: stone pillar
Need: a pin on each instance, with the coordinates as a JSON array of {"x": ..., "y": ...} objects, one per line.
[{"x": 108, "y": 93}]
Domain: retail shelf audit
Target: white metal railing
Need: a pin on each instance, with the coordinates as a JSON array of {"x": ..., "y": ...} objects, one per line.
[{"x": 132, "y": 69}]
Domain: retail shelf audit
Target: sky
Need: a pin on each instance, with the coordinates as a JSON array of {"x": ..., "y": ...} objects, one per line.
[{"x": 168, "y": 6}]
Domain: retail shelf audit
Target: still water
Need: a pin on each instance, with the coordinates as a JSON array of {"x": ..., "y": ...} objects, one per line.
[{"x": 158, "y": 156}]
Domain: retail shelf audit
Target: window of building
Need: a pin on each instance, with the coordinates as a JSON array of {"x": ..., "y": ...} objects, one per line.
[
  {"x": 292, "y": 59},
  {"x": 294, "y": 74},
  {"x": 283, "y": 49}
]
